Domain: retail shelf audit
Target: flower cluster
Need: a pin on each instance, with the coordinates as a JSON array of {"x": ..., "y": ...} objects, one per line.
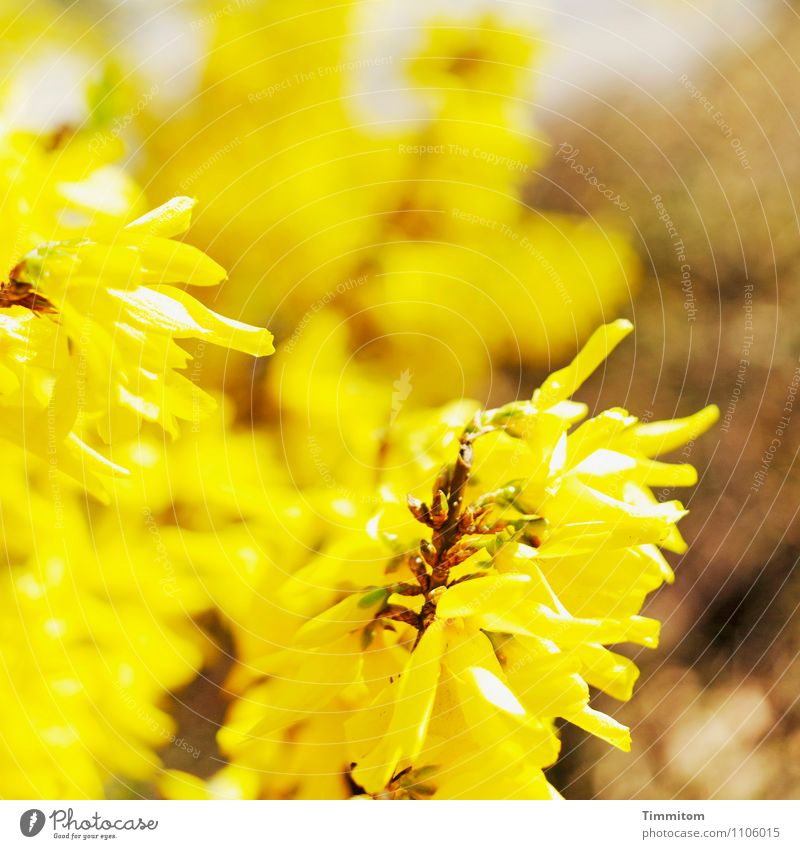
[
  {"x": 407, "y": 598},
  {"x": 448, "y": 660},
  {"x": 90, "y": 309}
]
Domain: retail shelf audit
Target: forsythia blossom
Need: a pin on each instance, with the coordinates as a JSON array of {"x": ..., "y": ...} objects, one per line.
[
  {"x": 90, "y": 308},
  {"x": 98, "y": 623},
  {"x": 437, "y": 667}
]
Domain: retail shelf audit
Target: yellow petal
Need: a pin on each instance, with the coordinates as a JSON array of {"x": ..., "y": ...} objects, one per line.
[
  {"x": 614, "y": 464},
  {"x": 178, "y": 314},
  {"x": 584, "y": 519},
  {"x": 654, "y": 438},
  {"x": 106, "y": 190},
  {"x": 350, "y": 614},
  {"x": 412, "y": 712},
  {"x": 608, "y": 671},
  {"x": 309, "y": 685},
  {"x": 176, "y": 784},
  {"x": 547, "y": 684},
  {"x": 602, "y": 726},
  {"x": 170, "y": 219},
  {"x": 498, "y": 721},
  {"x": 491, "y": 594},
  {"x": 563, "y": 383},
  {"x": 597, "y": 432},
  {"x": 167, "y": 261},
  {"x": 514, "y": 779},
  {"x": 511, "y": 604}
]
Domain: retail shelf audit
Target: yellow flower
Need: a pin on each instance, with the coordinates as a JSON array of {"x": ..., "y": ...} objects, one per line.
[
  {"x": 457, "y": 654},
  {"x": 416, "y": 234},
  {"x": 104, "y": 604},
  {"x": 99, "y": 609},
  {"x": 89, "y": 304},
  {"x": 483, "y": 58},
  {"x": 55, "y": 188},
  {"x": 118, "y": 310},
  {"x": 92, "y": 639},
  {"x": 101, "y": 319}
]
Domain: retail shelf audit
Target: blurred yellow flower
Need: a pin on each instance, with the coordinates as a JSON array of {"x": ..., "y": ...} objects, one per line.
[
  {"x": 122, "y": 331},
  {"x": 414, "y": 232},
  {"x": 99, "y": 608}
]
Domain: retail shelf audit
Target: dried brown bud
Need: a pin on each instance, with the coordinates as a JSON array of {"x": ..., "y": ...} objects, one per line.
[
  {"x": 442, "y": 482},
  {"x": 428, "y": 552},
  {"x": 459, "y": 555},
  {"x": 400, "y": 614},
  {"x": 419, "y": 510}
]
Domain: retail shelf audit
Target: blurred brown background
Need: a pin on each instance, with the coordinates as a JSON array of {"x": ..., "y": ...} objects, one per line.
[{"x": 704, "y": 169}]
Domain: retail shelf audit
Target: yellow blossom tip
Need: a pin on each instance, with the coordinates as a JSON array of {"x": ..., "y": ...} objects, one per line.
[
  {"x": 560, "y": 385},
  {"x": 170, "y": 219}
]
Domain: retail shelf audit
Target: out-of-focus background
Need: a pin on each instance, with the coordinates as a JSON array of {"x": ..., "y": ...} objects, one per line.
[
  {"x": 624, "y": 158},
  {"x": 704, "y": 157}
]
